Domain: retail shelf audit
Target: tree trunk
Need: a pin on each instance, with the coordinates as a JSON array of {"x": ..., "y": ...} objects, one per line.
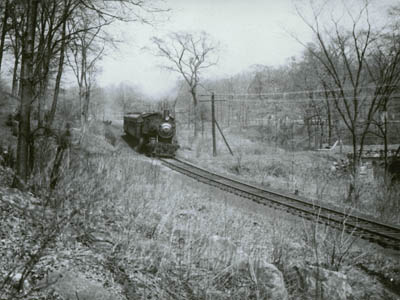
[
  {"x": 197, "y": 126},
  {"x": 21, "y": 71},
  {"x": 385, "y": 142},
  {"x": 353, "y": 195},
  {"x": 356, "y": 158},
  {"x": 14, "y": 89},
  {"x": 43, "y": 65},
  {"x": 60, "y": 67},
  {"x": 86, "y": 105},
  {"x": 3, "y": 31},
  {"x": 309, "y": 133},
  {"x": 27, "y": 93},
  {"x": 41, "y": 100},
  {"x": 329, "y": 120},
  {"x": 321, "y": 134}
]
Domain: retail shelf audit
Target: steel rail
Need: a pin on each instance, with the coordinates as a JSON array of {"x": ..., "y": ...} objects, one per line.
[{"x": 380, "y": 233}]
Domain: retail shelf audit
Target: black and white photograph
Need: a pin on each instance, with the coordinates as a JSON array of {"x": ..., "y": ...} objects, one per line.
[{"x": 200, "y": 149}]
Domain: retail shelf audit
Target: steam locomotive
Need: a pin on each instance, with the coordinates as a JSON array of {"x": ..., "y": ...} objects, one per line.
[{"x": 152, "y": 133}]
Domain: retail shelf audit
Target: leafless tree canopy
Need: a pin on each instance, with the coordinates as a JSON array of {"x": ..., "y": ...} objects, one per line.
[
  {"x": 42, "y": 36},
  {"x": 189, "y": 54},
  {"x": 352, "y": 61}
]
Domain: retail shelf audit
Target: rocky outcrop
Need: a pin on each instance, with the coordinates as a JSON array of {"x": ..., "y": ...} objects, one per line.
[
  {"x": 258, "y": 279},
  {"x": 240, "y": 276},
  {"x": 71, "y": 284},
  {"x": 318, "y": 283},
  {"x": 216, "y": 252}
]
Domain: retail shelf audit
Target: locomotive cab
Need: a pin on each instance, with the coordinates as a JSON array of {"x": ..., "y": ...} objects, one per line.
[{"x": 155, "y": 132}]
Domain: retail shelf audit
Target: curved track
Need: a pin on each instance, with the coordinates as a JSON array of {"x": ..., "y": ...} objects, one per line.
[{"x": 385, "y": 235}]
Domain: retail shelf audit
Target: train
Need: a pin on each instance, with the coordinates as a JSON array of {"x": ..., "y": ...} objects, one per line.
[{"x": 152, "y": 133}]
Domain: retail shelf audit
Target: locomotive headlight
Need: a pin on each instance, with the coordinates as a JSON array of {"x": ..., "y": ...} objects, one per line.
[
  {"x": 166, "y": 127},
  {"x": 166, "y": 130}
]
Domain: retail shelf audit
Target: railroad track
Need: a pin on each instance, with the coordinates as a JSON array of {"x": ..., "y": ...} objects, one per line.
[{"x": 388, "y": 236}]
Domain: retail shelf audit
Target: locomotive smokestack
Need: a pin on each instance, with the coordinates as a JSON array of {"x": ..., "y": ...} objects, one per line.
[{"x": 165, "y": 113}]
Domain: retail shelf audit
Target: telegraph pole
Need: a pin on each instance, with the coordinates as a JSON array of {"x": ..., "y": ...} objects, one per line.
[{"x": 213, "y": 124}]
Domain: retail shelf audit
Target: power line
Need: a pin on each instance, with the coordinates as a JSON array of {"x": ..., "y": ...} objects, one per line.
[
  {"x": 299, "y": 92},
  {"x": 360, "y": 98}
]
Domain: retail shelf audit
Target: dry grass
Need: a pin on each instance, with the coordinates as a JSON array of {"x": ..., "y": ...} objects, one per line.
[
  {"x": 165, "y": 226},
  {"x": 160, "y": 235},
  {"x": 307, "y": 173},
  {"x": 175, "y": 238}
]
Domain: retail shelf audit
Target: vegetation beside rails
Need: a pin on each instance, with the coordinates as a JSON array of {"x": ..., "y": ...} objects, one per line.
[
  {"x": 295, "y": 170},
  {"x": 121, "y": 226}
]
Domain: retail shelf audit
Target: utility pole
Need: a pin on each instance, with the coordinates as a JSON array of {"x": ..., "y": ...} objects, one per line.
[{"x": 213, "y": 124}]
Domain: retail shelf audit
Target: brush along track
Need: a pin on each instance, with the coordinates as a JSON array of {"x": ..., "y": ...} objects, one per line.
[{"x": 385, "y": 235}]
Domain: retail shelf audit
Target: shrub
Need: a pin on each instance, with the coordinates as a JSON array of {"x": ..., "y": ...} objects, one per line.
[{"x": 329, "y": 247}]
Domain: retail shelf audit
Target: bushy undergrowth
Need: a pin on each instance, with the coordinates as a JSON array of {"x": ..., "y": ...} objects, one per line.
[
  {"x": 32, "y": 244},
  {"x": 306, "y": 173},
  {"x": 384, "y": 199},
  {"x": 161, "y": 228},
  {"x": 136, "y": 230}
]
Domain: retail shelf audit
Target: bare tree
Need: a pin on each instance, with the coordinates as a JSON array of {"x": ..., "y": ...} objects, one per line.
[
  {"x": 15, "y": 34},
  {"x": 384, "y": 70},
  {"x": 41, "y": 31},
  {"x": 27, "y": 91},
  {"x": 357, "y": 95},
  {"x": 127, "y": 97},
  {"x": 85, "y": 53},
  {"x": 5, "y": 8},
  {"x": 66, "y": 14},
  {"x": 310, "y": 78},
  {"x": 188, "y": 54}
]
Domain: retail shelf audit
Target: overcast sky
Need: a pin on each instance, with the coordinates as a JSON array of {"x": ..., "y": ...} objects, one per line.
[{"x": 250, "y": 32}]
